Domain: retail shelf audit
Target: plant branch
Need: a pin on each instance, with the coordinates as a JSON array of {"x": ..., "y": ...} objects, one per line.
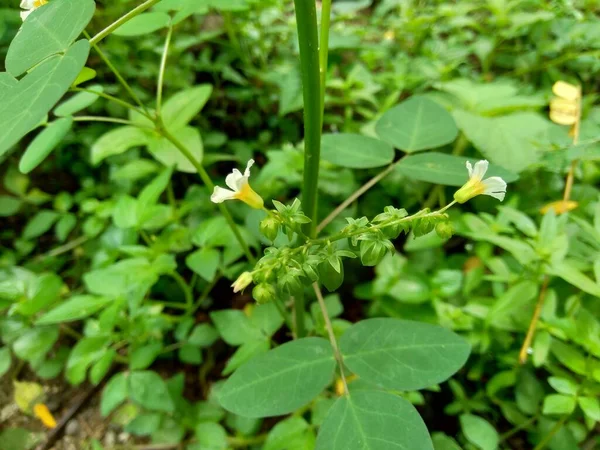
[
  {"x": 324, "y": 51},
  {"x": 113, "y": 99},
  {"x": 161, "y": 71},
  {"x": 534, "y": 320},
  {"x": 123, "y": 19},
  {"x": 331, "y": 334},
  {"x": 105, "y": 119},
  {"x": 187, "y": 291},
  {"x": 555, "y": 429}
]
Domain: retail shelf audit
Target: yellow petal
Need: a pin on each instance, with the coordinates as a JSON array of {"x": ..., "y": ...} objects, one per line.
[
  {"x": 559, "y": 206},
  {"x": 42, "y": 412},
  {"x": 563, "y": 112},
  {"x": 566, "y": 90}
]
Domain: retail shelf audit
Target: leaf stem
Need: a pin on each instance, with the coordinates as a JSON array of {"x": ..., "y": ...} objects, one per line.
[
  {"x": 324, "y": 50},
  {"x": 112, "y": 99},
  {"x": 306, "y": 19},
  {"x": 187, "y": 291},
  {"x": 123, "y": 19},
  {"x": 331, "y": 334},
  {"x": 106, "y": 119},
  {"x": 534, "y": 320},
  {"x": 555, "y": 429},
  {"x": 161, "y": 71}
]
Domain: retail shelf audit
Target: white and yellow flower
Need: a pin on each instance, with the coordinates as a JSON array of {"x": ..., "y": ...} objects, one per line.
[
  {"x": 239, "y": 189},
  {"x": 493, "y": 186},
  {"x": 29, "y": 6},
  {"x": 242, "y": 282}
]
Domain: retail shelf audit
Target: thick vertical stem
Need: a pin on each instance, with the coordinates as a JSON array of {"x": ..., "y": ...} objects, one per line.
[
  {"x": 306, "y": 18},
  {"x": 324, "y": 50}
]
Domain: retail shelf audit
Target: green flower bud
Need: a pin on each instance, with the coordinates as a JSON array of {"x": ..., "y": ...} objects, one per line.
[
  {"x": 264, "y": 293},
  {"x": 444, "y": 230},
  {"x": 269, "y": 227},
  {"x": 242, "y": 282}
]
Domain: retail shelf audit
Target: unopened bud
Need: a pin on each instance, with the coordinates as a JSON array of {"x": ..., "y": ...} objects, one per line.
[
  {"x": 269, "y": 227},
  {"x": 444, "y": 230},
  {"x": 263, "y": 293},
  {"x": 242, "y": 282}
]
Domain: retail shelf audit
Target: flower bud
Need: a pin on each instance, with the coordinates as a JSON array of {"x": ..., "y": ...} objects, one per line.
[
  {"x": 269, "y": 227},
  {"x": 444, "y": 230},
  {"x": 264, "y": 293},
  {"x": 242, "y": 282}
]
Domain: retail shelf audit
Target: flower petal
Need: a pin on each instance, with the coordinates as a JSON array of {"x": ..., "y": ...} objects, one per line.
[
  {"x": 495, "y": 187},
  {"x": 235, "y": 180},
  {"x": 24, "y": 15},
  {"x": 470, "y": 169},
  {"x": 480, "y": 169},
  {"x": 219, "y": 195},
  {"x": 27, "y": 4},
  {"x": 247, "y": 171}
]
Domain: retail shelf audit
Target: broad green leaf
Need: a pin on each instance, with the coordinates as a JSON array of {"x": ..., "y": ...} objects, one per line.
[
  {"x": 401, "y": 354},
  {"x": 143, "y": 24},
  {"x": 85, "y": 353},
  {"x": 135, "y": 170},
  {"x": 182, "y": 107},
  {"x": 234, "y": 326},
  {"x": 281, "y": 380},
  {"x": 569, "y": 356},
  {"x": 48, "y": 31},
  {"x": 117, "y": 141},
  {"x": 41, "y": 293},
  {"x": 355, "y": 151},
  {"x": 39, "y": 224},
  {"x": 508, "y": 141},
  {"x": 121, "y": 278},
  {"x": 203, "y": 335},
  {"x": 568, "y": 272},
  {"x": 204, "y": 262},
  {"x": 417, "y": 124},
  {"x": 75, "y": 308},
  {"x": 115, "y": 392},
  {"x": 169, "y": 155},
  {"x": 448, "y": 170},
  {"x": 44, "y": 143},
  {"x": 26, "y": 104},
  {"x": 373, "y": 420},
  {"x": 246, "y": 352},
  {"x": 148, "y": 389},
  {"x": 211, "y": 436},
  {"x": 559, "y": 404},
  {"x": 78, "y": 102},
  {"x": 479, "y": 432},
  {"x": 589, "y": 405}
]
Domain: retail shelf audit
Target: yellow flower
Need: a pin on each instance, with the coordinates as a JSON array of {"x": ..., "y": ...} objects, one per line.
[
  {"x": 239, "y": 189},
  {"x": 42, "y": 412},
  {"x": 29, "y": 6},
  {"x": 565, "y": 108},
  {"x": 242, "y": 282},
  {"x": 559, "y": 206},
  {"x": 493, "y": 186}
]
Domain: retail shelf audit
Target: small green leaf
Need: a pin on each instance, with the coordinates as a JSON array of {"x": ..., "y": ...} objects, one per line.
[
  {"x": 142, "y": 24},
  {"x": 75, "y": 308},
  {"x": 563, "y": 385},
  {"x": 44, "y": 143},
  {"x": 149, "y": 390},
  {"x": 203, "y": 335},
  {"x": 568, "y": 272},
  {"x": 211, "y": 436},
  {"x": 182, "y": 107},
  {"x": 78, "y": 102},
  {"x": 417, "y": 124},
  {"x": 589, "y": 405},
  {"x": 48, "y": 31},
  {"x": 39, "y": 224},
  {"x": 166, "y": 153},
  {"x": 85, "y": 353},
  {"x": 373, "y": 420},
  {"x": 234, "y": 326},
  {"x": 117, "y": 141},
  {"x": 558, "y": 404},
  {"x": 102, "y": 366},
  {"x": 479, "y": 432},
  {"x": 355, "y": 151},
  {"x": 402, "y": 355},
  {"x": 115, "y": 392},
  {"x": 204, "y": 262},
  {"x": 35, "y": 343},
  {"x": 281, "y": 380},
  {"x": 447, "y": 170},
  {"x": 9, "y": 206},
  {"x": 143, "y": 357},
  {"x": 64, "y": 226}
]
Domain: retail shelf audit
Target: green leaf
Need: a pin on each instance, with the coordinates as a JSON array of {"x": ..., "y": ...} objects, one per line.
[
  {"x": 401, "y": 354},
  {"x": 443, "y": 442},
  {"x": 282, "y": 436},
  {"x": 373, "y": 420},
  {"x": 569, "y": 356},
  {"x": 182, "y": 107},
  {"x": 559, "y": 404},
  {"x": 85, "y": 353},
  {"x": 244, "y": 353},
  {"x": 148, "y": 389},
  {"x": 479, "y": 432},
  {"x": 417, "y": 124},
  {"x": 48, "y": 31},
  {"x": 115, "y": 393},
  {"x": 190, "y": 354},
  {"x": 44, "y": 143},
  {"x": 281, "y": 380},
  {"x": 144, "y": 424},
  {"x": 142, "y": 24},
  {"x": 568, "y": 272},
  {"x": 589, "y": 405},
  {"x": 26, "y": 104},
  {"x": 203, "y": 335},
  {"x": 563, "y": 385},
  {"x": 19, "y": 439},
  {"x": 77, "y": 307},
  {"x": 447, "y": 170},
  {"x": 355, "y": 151},
  {"x": 204, "y": 262},
  {"x": 117, "y": 141},
  {"x": 9, "y": 206},
  {"x": 5, "y": 360},
  {"x": 64, "y": 226},
  {"x": 142, "y": 357},
  {"x": 39, "y": 224},
  {"x": 35, "y": 343},
  {"x": 78, "y": 102},
  {"x": 211, "y": 436},
  {"x": 41, "y": 293},
  {"x": 508, "y": 141},
  {"x": 169, "y": 155},
  {"x": 102, "y": 366},
  {"x": 234, "y": 326}
]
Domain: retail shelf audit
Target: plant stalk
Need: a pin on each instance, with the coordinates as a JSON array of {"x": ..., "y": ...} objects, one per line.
[
  {"x": 306, "y": 19},
  {"x": 161, "y": 73},
  {"x": 534, "y": 320},
  {"x": 324, "y": 50}
]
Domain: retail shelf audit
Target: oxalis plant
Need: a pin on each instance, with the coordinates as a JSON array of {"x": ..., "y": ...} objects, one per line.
[{"x": 47, "y": 59}]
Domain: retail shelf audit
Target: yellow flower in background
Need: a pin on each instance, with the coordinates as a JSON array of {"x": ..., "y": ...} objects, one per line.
[
  {"x": 242, "y": 282},
  {"x": 493, "y": 186},
  {"x": 29, "y": 6},
  {"x": 239, "y": 189},
  {"x": 565, "y": 108},
  {"x": 560, "y": 206},
  {"x": 42, "y": 412}
]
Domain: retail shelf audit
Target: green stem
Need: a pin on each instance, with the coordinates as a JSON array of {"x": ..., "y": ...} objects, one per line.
[
  {"x": 112, "y": 99},
  {"x": 324, "y": 50},
  {"x": 233, "y": 37},
  {"x": 187, "y": 290},
  {"x": 210, "y": 185},
  {"x": 306, "y": 18},
  {"x": 121, "y": 20},
  {"x": 104, "y": 119},
  {"x": 161, "y": 71},
  {"x": 555, "y": 429}
]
